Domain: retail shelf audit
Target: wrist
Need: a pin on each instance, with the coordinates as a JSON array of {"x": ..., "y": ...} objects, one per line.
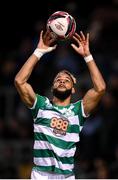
[
  {"x": 37, "y": 52},
  {"x": 88, "y": 58}
]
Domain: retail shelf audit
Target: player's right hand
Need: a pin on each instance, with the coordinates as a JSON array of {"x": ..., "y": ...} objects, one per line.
[{"x": 46, "y": 41}]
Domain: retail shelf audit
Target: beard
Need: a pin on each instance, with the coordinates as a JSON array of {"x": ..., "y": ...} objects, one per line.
[{"x": 62, "y": 95}]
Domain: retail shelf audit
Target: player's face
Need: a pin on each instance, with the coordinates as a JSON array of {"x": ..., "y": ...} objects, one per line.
[
  {"x": 62, "y": 86},
  {"x": 63, "y": 82}
]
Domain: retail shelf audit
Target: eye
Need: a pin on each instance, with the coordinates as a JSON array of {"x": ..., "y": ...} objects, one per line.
[
  {"x": 58, "y": 80},
  {"x": 67, "y": 80}
]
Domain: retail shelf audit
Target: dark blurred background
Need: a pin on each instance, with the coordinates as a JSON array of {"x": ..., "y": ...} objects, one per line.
[{"x": 20, "y": 25}]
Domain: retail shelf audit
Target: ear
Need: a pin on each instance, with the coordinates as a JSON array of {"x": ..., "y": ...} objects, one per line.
[{"x": 73, "y": 90}]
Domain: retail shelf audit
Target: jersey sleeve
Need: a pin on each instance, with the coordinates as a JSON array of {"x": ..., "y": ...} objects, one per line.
[
  {"x": 38, "y": 104},
  {"x": 80, "y": 112}
]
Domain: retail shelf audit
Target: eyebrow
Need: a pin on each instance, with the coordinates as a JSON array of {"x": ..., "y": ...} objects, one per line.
[{"x": 65, "y": 78}]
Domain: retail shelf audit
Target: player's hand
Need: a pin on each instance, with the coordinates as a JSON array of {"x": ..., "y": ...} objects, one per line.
[
  {"x": 46, "y": 41},
  {"x": 82, "y": 46}
]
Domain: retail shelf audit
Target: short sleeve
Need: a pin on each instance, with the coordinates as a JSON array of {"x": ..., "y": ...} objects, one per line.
[
  {"x": 38, "y": 104},
  {"x": 80, "y": 112}
]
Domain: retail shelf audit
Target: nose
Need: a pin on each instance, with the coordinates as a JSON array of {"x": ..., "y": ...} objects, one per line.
[{"x": 62, "y": 81}]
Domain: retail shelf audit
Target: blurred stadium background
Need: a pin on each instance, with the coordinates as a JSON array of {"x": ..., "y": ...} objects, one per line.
[{"x": 21, "y": 22}]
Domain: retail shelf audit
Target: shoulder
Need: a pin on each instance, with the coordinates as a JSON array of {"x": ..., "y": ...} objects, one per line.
[
  {"x": 77, "y": 104},
  {"x": 79, "y": 107},
  {"x": 40, "y": 101}
]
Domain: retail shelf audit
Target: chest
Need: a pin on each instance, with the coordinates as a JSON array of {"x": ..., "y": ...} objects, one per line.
[{"x": 62, "y": 122}]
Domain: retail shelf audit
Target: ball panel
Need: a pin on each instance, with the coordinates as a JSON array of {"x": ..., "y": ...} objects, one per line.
[
  {"x": 59, "y": 26},
  {"x": 56, "y": 16},
  {"x": 71, "y": 28}
]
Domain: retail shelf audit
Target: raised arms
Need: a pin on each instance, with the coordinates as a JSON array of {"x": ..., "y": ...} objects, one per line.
[
  {"x": 25, "y": 90},
  {"x": 93, "y": 96}
]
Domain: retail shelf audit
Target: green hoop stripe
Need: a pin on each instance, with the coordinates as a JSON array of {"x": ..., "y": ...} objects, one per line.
[
  {"x": 52, "y": 169},
  {"x": 49, "y": 153},
  {"x": 55, "y": 141}
]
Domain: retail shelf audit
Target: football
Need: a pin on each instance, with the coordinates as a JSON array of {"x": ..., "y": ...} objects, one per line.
[{"x": 62, "y": 24}]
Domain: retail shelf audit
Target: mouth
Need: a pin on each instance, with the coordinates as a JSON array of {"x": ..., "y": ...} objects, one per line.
[{"x": 62, "y": 86}]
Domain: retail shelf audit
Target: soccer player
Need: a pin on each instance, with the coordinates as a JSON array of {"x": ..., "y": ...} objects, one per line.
[{"x": 57, "y": 123}]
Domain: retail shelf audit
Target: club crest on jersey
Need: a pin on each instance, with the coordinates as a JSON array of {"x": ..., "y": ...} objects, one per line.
[{"x": 59, "y": 126}]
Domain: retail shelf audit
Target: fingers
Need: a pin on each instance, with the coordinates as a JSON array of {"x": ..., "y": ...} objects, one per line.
[
  {"x": 78, "y": 36},
  {"x": 87, "y": 38},
  {"x": 52, "y": 40},
  {"x": 49, "y": 37},
  {"x": 77, "y": 40},
  {"x": 46, "y": 36},
  {"x": 74, "y": 47},
  {"x": 41, "y": 35},
  {"x": 51, "y": 48},
  {"x": 82, "y": 37},
  {"x": 54, "y": 47},
  {"x": 47, "y": 32}
]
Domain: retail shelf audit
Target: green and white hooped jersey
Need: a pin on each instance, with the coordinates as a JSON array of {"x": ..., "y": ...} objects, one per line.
[{"x": 56, "y": 130}]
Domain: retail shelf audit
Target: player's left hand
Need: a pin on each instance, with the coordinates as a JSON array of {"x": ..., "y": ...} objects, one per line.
[{"x": 82, "y": 46}]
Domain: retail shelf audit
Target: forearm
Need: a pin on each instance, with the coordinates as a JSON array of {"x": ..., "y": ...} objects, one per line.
[
  {"x": 97, "y": 79},
  {"x": 26, "y": 70}
]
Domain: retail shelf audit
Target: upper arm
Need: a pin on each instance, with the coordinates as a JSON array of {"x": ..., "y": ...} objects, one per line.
[
  {"x": 26, "y": 93},
  {"x": 91, "y": 100}
]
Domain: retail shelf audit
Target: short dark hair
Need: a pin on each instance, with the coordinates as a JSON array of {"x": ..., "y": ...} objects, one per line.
[{"x": 68, "y": 73}]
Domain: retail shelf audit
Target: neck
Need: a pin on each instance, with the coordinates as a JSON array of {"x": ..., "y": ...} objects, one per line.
[{"x": 61, "y": 102}]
